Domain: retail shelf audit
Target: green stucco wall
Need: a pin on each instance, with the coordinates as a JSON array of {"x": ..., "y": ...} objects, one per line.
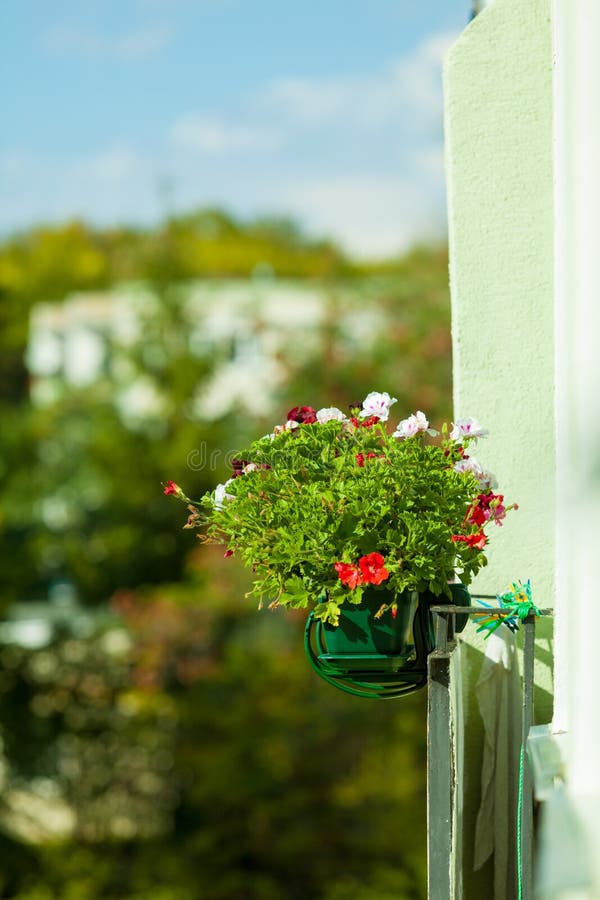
[{"x": 498, "y": 108}]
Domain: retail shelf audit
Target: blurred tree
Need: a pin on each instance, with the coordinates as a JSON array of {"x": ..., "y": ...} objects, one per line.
[{"x": 200, "y": 757}]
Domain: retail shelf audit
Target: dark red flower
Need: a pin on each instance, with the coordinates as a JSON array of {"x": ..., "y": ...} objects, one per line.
[
  {"x": 306, "y": 415},
  {"x": 171, "y": 488},
  {"x": 348, "y": 574},
  {"x": 372, "y": 569},
  {"x": 457, "y": 450},
  {"x": 227, "y": 554},
  {"x": 238, "y": 466},
  {"x": 487, "y": 507}
]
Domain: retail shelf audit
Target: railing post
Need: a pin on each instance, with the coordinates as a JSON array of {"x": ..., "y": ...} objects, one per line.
[
  {"x": 440, "y": 766},
  {"x": 526, "y": 783},
  {"x": 441, "y": 761}
]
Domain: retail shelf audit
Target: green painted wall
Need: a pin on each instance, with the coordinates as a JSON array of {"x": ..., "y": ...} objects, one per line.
[{"x": 498, "y": 108}]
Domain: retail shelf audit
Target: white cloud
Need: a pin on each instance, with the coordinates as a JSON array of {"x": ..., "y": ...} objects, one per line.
[
  {"x": 407, "y": 88},
  {"x": 405, "y": 95},
  {"x": 130, "y": 47},
  {"x": 115, "y": 164},
  {"x": 113, "y": 185},
  {"x": 13, "y": 164},
  {"x": 357, "y": 157},
  {"x": 374, "y": 215},
  {"x": 215, "y": 136}
]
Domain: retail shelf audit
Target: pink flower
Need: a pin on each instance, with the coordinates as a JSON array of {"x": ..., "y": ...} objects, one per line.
[
  {"x": 377, "y": 404},
  {"x": 415, "y": 424},
  {"x": 172, "y": 488},
  {"x": 467, "y": 429},
  {"x": 487, "y": 480}
]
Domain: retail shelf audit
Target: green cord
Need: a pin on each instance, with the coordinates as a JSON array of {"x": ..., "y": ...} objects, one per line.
[{"x": 519, "y": 815}]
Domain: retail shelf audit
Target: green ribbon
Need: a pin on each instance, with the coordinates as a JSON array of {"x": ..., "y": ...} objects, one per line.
[{"x": 516, "y": 604}]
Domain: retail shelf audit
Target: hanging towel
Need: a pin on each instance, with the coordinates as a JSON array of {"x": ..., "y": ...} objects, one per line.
[{"x": 498, "y": 693}]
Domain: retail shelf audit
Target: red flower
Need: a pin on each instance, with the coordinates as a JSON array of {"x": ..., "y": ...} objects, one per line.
[
  {"x": 355, "y": 421},
  {"x": 372, "y": 569},
  {"x": 306, "y": 415},
  {"x": 478, "y": 515},
  {"x": 171, "y": 488},
  {"x": 360, "y": 458},
  {"x": 348, "y": 574},
  {"x": 475, "y": 541},
  {"x": 227, "y": 554},
  {"x": 372, "y": 420}
]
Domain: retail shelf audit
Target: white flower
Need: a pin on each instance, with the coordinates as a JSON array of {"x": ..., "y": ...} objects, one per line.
[
  {"x": 290, "y": 425},
  {"x": 469, "y": 464},
  {"x": 487, "y": 480},
  {"x": 330, "y": 414},
  {"x": 467, "y": 428},
  {"x": 251, "y": 467},
  {"x": 221, "y": 495},
  {"x": 413, "y": 425},
  {"x": 376, "y": 404}
]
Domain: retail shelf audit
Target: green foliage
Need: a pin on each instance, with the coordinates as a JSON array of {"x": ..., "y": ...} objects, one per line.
[
  {"x": 274, "y": 786},
  {"x": 247, "y": 777},
  {"x": 333, "y": 492}
]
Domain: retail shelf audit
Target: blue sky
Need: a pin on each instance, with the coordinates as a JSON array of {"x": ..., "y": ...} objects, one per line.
[{"x": 329, "y": 112}]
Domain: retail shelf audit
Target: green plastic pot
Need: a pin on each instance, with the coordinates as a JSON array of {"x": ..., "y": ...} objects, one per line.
[
  {"x": 359, "y": 632},
  {"x": 380, "y": 658}
]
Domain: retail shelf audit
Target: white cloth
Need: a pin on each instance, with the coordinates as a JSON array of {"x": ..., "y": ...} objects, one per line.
[{"x": 498, "y": 693}]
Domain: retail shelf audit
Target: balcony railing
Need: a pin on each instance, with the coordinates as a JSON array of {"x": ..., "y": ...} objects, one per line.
[{"x": 442, "y": 830}]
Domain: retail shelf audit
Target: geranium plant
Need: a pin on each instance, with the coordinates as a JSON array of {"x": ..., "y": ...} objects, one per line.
[{"x": 329, "y": 505}]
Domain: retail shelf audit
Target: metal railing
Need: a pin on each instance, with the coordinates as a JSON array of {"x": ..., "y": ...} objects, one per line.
[{"x": 441, "y": 768}]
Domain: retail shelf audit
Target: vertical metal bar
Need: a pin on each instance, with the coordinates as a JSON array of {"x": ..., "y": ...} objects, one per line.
[
  {"x": 440, "y": 775},
  {"x": 441, "y": 630},
  {"x": 451, "y": 626},
  {"x": 526, "y": 792}
]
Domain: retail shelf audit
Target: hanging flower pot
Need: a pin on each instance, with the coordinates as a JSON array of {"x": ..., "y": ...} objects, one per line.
[
  {"x": 361, "y": 630},
  {"x": 337, "y": 514},
  {"x": 380, "y": 656}
]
